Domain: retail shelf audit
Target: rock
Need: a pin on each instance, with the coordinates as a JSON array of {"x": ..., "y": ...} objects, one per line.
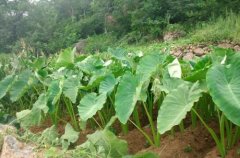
[
  {"x": 236, "y": 48},
  {"x": 225, "y": 45},
  {"x": 188, "y": 56},
  {"x": 199, "y": 51},
  {"x": 6, "y": 129},
  {"x": 80, "y": 46},
  {"x": 200, "y": 45},
  {"x": 169, "y": 36},
  {"x": 177, "y": 53},
  {"x": 205, "y": 48},
  {"x": 12, "y": 148},
  {"x": 1, "y": 141}
]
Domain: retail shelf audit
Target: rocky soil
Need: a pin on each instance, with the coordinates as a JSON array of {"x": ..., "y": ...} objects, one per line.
[
  {"x": 11, "y": 147},
  {"x": 188, "y": 52}
]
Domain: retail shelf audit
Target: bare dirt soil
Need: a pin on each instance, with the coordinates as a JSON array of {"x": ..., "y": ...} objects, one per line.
[{"x": 192, "y": 143}]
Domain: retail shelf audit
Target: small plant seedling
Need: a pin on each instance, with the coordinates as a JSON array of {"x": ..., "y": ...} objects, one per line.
[
  {"x": 238, "y": 151},
  {"x": 188, "y": 149}
]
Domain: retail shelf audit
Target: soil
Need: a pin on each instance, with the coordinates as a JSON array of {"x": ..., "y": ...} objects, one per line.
[
  {"x": 46, "y": 124},
  {"x": 192, "y": 143},
  {"x": 233, "y": 153},
  {"x": 136, "y": 141},
  {"x": 188, "y": 52}
]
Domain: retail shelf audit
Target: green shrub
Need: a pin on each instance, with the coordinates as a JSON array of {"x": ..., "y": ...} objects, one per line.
[
  {"x": 99, "y": 43},
  {"x": 4, "y": 60},
  {"x": 174, "y": 27},
  {"x": 223, "y": 28}
]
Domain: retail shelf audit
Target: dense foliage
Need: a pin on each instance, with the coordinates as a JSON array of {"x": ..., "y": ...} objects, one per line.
[
  {"x": 97, "y": 90},
  {"x": 49, "y": 26},
  {"x": 118, "y": 89}
]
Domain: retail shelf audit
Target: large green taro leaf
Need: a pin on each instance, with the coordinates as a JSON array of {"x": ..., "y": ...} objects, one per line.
[
  {"x": 70, "y": 88},
  {"x": 126, "y": 97},
  {"x": 118, "y": 53},
  {"x": 218, "y": 54},
  {"x": 223, "y": 82},
  {"x": 108, "y": 84},
  {"x": 49, "y": 136},
  {"x": 176, "y": 105},
  {"x": 65, "y": 58},
  {"x": 90, "y": 104},
  {"x": 41, "y": 103},
  {"x": 91, "y": 65},
  {"x": 169, "y": 83},
  {"x": 148, "y": 65},
  {"x": 20, "y": 86},
  {"x": 53, "y": 94},
  {"x": 5, "y": 85},
  {"x": 70, "y": 136},
  {"x": 105, "y": 144},
  {"x": 200, "y": 70},
  {"x": 29, "y": 118}
]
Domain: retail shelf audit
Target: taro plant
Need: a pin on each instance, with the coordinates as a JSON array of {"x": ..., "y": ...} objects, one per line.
[
  {"x": 217, "y": 76},
  {"x": 131, "y": 86}
]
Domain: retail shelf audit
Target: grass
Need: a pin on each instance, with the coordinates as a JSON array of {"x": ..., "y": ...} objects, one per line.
[
  {"x": 4, "y": 58},
  {"x": 223, "y": 28}
]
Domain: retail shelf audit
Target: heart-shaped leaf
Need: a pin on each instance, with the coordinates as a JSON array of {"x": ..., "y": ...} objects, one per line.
[
  {"x": 176, "y": 105},
  {"x": 128, "y": 93},
  {"x": 5, "y": 85},
  {"x": 223, "y": 82},
  {"x": 90, "y": 104}
]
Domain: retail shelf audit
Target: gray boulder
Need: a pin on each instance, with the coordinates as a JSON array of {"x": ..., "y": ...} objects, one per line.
[
  {"x": 12, "y": 148},
  {"x": 169, "y": 36},
  {"x": 80, "y": 46},
  {"x": 199, "y": 51},
  {"x": 6, "y": 130}
]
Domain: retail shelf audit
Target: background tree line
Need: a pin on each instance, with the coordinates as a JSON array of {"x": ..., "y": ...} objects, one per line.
[{"x": 50, "y": 25}]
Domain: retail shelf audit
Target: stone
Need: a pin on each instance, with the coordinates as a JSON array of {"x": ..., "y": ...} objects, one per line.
[
  {"x": 177, "y": 53},
  {"x": 236, "y": 48},
  {"x": 6, "y": 129},
  {"x": 169, "y": 36},
  {"x": 80, "y": 46},
  {"x": 188, "y": 56},
  {"x": 200, "y": 45},
  {"x": 12, "y": 148},
  {"x": 199, "y": 51},
  {"x": 225, "y": 45},
  {"x": 205, "y": 48}
]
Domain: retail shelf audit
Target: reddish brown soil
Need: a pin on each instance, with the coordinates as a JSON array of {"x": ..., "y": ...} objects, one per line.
[
  {"x": 192, "y": 143},
  {"x": 233, "y": 153},
  {"x": 136, "y": 140},
  {"x": 46, "y": 124},
  {"x": 61, "y": 128},
  {"x": 83, "y": 136}
]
